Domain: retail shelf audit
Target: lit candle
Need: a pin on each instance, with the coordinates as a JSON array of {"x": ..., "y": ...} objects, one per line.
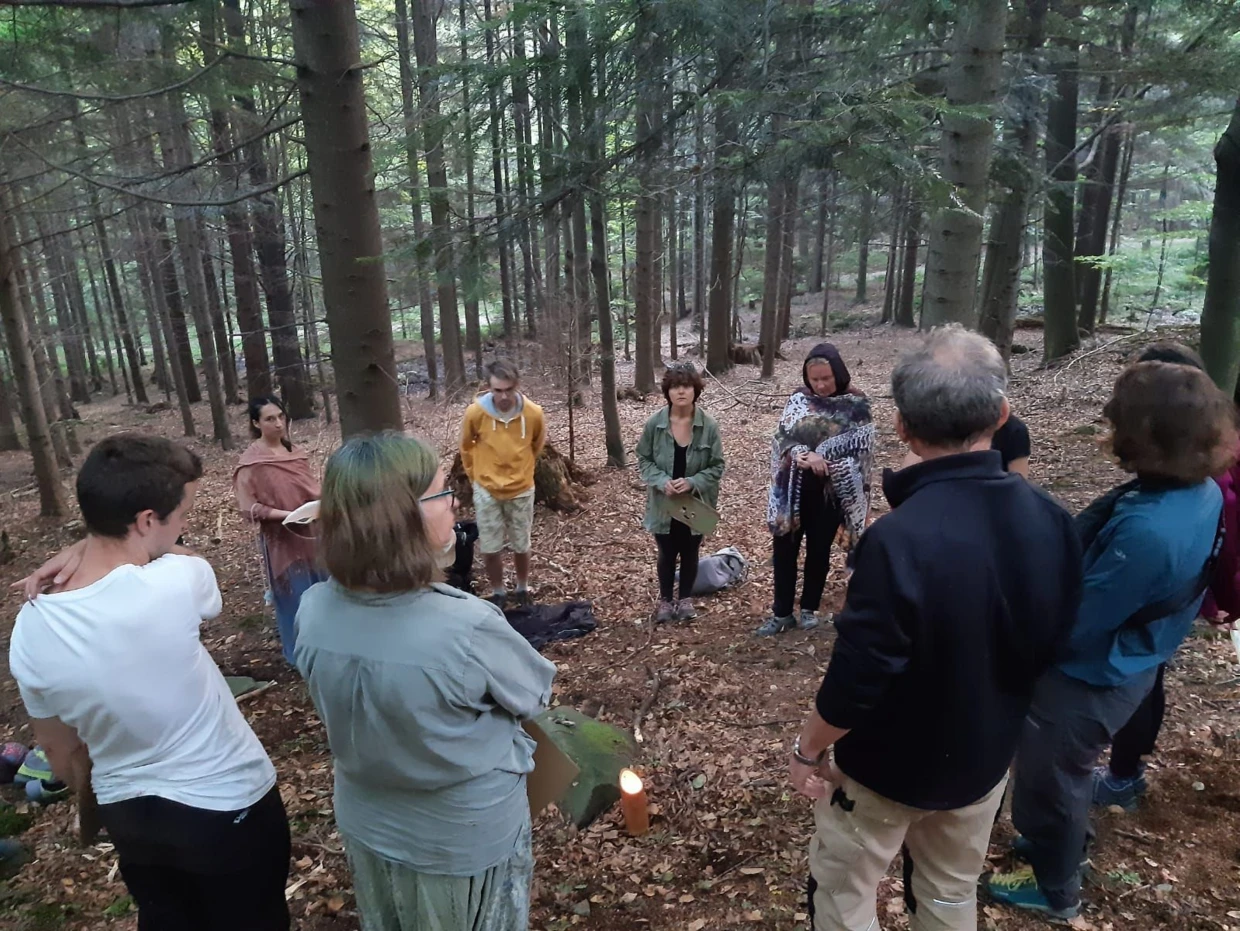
[{"x": 633, "y": 803}]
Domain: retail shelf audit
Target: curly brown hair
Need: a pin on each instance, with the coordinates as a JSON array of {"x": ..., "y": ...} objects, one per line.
[
  {"x": 682, "y": 373},
  {"x": 1171, "y": 421}
]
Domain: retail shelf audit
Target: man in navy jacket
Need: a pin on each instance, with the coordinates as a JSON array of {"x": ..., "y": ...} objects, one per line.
[{"x": 959, "y": 599}]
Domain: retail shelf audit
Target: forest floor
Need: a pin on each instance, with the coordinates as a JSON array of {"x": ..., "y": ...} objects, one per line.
[{"x": 728, "y": 838}]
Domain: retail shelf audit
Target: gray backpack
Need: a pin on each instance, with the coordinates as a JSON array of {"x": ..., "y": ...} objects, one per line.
[{"x": 724, "y": 569}]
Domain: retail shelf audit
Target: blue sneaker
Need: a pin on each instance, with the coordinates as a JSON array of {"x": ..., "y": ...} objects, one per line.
[
  {"x": 1126, "y": 793},
  {"x": 46, "y": 791},
  {"x": 1019, "y": 889},
  {"x": 775, "y": 625},
  {"x": 1022, "y": 849},
  {"x": 34, "y": 767}
]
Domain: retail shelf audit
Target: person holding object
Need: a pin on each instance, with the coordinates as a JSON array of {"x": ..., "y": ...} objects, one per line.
[
  {"x": 126, "y": 700},
  {"x": 422, "y": 689},
  {"x": 1150, "y": 549},
  {"x": 942, "y": 637},
  {"x": 501, "y": 437},
  {"x": 273, "y": 479},
  {"x": 679, "y": 454},
  {"x": 821, "y": 458}
]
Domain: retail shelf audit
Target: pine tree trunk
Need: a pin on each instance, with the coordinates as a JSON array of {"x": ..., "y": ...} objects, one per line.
[
  {"x": 338, "y": 153},
  {"x": 147, "y": 250},
  {"x": 426, "y": 309},
  {"x": 646, "y": 284},
  {"x": 1117, "y": 221},
  {"x": 820, "y": 236},
  {"x": 865, "y": 231},
  {"x": 723, "y": 218},
  {"x": 215, "y": 308},
  {"x": 787, "y": 262},
  {"x": 118, "y": 301},
  {"x": 699, "y": 226},
  {"x": 908, "y": 284},
  {"x": 502, "y": 212},
  {"x": 1220, "y": 316},
  {"x": 535, "y": 298},
  {"x": 773, "y": 251},
  {"x": 237, "y": 225},
  {"x": 270, "y": 241},
  {"x": 956, "y": 230},
  {"x": 1098, "y": 182},
  {"x": 52, "y": 501},
  {"x": 173, "y": 316},
  {"x": 175, "y": 145},
  {"x": 1059, "y": 273},
  {"x": 612, "y": 437},
  {"x": 1005, "y": 250},
  {"x": 97, "y": 304},
  {"x": 473, "y": 248},
  {"x": 426, "y": 50}
]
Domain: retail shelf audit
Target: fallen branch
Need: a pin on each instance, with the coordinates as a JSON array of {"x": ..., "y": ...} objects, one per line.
[
  {"x": 246, "y": 696},
  {"x": 656, "y": 683},
  {"x": 1075, "y": 359}
]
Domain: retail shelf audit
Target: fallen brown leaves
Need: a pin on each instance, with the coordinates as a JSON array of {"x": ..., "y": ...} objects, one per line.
[{"x": 717, "y": 708}]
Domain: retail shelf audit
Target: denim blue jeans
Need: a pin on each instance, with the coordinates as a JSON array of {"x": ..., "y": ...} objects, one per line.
[{"x": 286, "y": 592}]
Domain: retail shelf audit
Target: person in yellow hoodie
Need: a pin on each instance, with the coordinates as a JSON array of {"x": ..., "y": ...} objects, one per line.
[{"x": 501, "y": 436}]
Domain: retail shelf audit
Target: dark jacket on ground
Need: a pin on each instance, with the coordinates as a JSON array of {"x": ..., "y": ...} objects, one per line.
[{"x": 960, "y": 599}]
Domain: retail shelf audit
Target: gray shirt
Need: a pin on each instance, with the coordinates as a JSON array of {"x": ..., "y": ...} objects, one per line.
[{"x": 422, "y": 694}]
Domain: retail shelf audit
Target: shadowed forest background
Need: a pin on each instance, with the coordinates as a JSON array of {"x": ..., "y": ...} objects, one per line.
[{"x": 358, "y": 205}]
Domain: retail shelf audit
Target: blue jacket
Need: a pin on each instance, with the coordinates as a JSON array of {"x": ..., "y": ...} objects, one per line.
[{"x": 1155, "y": 543}]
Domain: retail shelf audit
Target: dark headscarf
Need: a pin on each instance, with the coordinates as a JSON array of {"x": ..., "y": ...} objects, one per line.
[{"x": 828, "y": 353}]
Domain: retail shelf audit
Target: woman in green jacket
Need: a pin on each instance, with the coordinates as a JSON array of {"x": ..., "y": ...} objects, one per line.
[{"x": 679, "y": 454}]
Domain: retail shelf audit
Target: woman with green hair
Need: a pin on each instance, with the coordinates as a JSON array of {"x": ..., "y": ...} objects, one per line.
[{"x": 422, "y": 689}]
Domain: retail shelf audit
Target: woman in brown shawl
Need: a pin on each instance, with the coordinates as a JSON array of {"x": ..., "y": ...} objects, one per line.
[{"x": 272, "y": 480}]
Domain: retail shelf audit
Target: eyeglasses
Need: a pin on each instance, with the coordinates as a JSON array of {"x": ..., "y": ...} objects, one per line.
[{"x": 440, "y": 494}]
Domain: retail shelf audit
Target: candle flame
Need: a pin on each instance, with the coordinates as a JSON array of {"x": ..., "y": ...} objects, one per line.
[{"x": 630, "y": 782}]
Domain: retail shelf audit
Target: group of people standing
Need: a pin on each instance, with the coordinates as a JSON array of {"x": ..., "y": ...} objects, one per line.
[
  {"x": 952, "y": 657},
  {"x": 986, "y": 631}
]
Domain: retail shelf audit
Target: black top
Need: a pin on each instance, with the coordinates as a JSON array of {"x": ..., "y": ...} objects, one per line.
[
  {"x": 960, "y": 599},
  {"x": 1011, "y": 440},
  {"x": 679, "y": 459}
]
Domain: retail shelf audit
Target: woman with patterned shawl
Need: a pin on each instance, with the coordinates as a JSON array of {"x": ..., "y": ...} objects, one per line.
[{"x": 820, "y": 481}]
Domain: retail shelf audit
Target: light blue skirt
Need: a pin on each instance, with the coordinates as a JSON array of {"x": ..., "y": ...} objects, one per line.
[{"x": 393, "y": 897}]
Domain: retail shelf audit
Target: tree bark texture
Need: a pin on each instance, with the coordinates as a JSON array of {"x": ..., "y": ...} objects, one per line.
[
  {"x": 333, "y": 103},
  {"x": 1059, "y": 287},
  {"x": 966, "y": 145}
]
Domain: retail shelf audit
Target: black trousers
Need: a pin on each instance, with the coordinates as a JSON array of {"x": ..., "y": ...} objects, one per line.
[
  {"x": 819, "y": 524},
  {"x": 680, "y": 542},
  {"x": 189, "y": 869},
  {"x": 1138, "y": 737}
]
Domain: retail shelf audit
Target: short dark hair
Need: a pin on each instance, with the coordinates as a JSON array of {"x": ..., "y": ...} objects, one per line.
[
  {"x": 1169, "y": 420},
  {"x": 126, "y": 474},
  {"x": 682, "y": 373},
  {"x": 1166, "y": 350},
  {"x": 503, "y": 370},
  {"x": 950, "y": 390}
]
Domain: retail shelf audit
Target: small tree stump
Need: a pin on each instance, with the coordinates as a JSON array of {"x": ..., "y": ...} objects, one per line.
[{"x": 558, "y": 482}]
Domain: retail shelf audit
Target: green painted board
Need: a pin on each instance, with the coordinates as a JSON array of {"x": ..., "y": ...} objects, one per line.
[{"x": 599, "y": 750}]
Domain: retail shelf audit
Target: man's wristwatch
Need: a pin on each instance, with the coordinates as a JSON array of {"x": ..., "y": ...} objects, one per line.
[{"x": 802, "y": 758}]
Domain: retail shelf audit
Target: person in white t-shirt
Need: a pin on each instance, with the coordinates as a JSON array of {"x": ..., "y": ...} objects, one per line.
[{"x": 126, "y": 700}]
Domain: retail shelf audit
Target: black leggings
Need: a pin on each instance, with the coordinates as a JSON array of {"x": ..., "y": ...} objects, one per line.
[
  {"x": 678, "y": 541},
  {"x": 1138, "y": 737},
  {"x": 189, "y": 869},
  {"x": 819, "y": 524}
]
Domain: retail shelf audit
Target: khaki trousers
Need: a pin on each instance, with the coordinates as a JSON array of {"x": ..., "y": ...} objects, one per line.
[{"x": 859, "y": 833}]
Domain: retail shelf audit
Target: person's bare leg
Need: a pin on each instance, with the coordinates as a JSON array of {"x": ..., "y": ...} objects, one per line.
[
  {"x": 495, "y": 570},
  {"x": 522, "y": 563}
]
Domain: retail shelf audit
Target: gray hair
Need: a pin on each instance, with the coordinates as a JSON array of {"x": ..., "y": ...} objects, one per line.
[{"x": 950, "y": 390}]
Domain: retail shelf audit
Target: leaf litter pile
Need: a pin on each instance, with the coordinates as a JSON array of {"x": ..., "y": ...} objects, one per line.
[{"x": 714, "y": 708}]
